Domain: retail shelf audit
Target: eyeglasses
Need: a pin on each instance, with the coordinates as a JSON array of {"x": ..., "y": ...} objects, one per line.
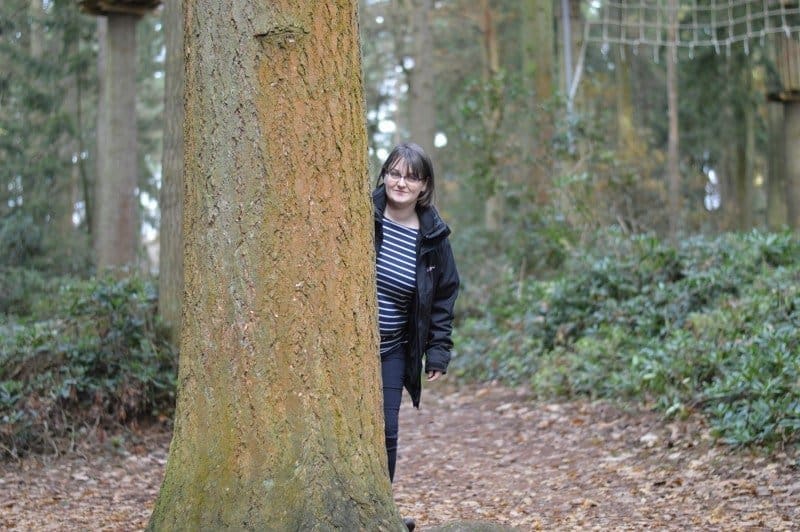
[{"x": 410, "y": 178}]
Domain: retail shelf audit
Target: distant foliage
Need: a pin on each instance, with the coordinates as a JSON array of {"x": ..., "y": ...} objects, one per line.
[
  {"x": 21, "y": 239},
  {"x": 94, "y": 356},
  {"x": 712, "y": 324}
]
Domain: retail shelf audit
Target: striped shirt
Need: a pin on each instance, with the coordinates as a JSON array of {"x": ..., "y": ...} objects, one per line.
[{"x": 397, "y": 281}]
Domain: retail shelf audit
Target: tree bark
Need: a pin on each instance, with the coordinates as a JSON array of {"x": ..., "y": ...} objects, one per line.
[
  {"x": 749, "y": 205},
  {"x": 117, "y": 222},
  {"x": 422, "y": 95},
  {"x": 726, "y": 172},
  {"x": 538, "y": 58},
  {"x": 673, "y": 167},
  {"x": 279, "y": 422},
  {"x": 37, "y": 41},
  {"x": 492, "y": 117},
  {"x": 170, "y": 262},
  {"x": 629, "y": 140},
  {"x": 792, "y": 154},
  {"x": 776, "y": 182},
  {"x": 574, "y": 25},
  {"x": 745, "y": 172},
  {"x": 69, "y": 187},
  {"x": 740, "y": 185}
]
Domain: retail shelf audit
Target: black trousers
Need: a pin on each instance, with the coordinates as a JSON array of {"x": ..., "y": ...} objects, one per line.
[{"x": 393, "y": 365}]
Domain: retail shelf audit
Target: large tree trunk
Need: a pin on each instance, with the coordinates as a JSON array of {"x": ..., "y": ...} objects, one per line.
[
  {"x": 279, "y": 422},
  {"x": 116, "y": 233},
  {"x": 170, "y": 261},
  {"x": 792, "y": 154}
]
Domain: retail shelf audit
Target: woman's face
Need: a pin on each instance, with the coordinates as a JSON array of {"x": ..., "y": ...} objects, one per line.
[{"x": 400, "y": 190}]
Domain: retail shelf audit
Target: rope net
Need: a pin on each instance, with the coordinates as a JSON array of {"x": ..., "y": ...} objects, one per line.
[{"x": 698, "y": 23}]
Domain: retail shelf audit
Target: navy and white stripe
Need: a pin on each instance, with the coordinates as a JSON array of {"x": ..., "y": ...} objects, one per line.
[{"x": 396, "y": 272}]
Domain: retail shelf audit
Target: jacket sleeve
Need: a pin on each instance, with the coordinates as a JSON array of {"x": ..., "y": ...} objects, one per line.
[{"x": 437, "y": 355}]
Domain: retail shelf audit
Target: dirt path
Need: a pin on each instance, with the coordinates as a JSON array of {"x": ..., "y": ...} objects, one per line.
[{"x": 486, "y": 454}]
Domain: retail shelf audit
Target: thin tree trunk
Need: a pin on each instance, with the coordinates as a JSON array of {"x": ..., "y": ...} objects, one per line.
[
  {"x": 726, "y": 172},
  {"x": 572, "y": 43},
  {"x": 776, "y": 180},
  {"x": 87, "y": 189},
  {"x": 673, "y": 169},
  {"x": 492, "y": 118},
  {"x": 570, "y": 35},
  {"x": 69, "y": 190},
  {"x": 279, "y": 422},
  {"x": 170, "y": 263},
  {"x": 749, "y": 153},
  {"x": 35, "y": 14},
  {"x": 538, "y": 56},
  {"x": 745, "y": 158},
  {"x": 117, "y": 222},
  {"x": 103, "y": 124},
  {"x": 422, "y": 95},
  {"x": 629, "y": 141},
  {"x": 792, "y": 153},
  {"x": 740, "y": 185}
]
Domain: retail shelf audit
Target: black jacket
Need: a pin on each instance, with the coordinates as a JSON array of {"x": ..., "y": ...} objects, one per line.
[{"x": 430, "y": 319}]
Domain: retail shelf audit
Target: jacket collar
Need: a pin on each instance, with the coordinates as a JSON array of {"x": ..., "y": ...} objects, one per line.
[{"x": 431, "y": 225}]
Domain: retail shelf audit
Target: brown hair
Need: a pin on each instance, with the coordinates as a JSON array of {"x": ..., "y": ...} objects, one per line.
[{"x": 419, "y": 163}]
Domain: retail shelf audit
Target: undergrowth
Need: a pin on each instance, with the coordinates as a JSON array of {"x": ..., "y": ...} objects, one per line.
[
  {"x": 711, "y": 325},
  {"x": 92, "y": 356}
]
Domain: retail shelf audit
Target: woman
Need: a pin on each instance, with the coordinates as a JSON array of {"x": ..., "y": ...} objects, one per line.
[{"x": 417, "y": 282}]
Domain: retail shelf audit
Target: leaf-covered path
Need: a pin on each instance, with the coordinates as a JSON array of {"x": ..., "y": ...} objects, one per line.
[{"x": 478, "y": 454}]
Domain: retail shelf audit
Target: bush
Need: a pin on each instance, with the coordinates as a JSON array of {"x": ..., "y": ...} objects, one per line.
[
  {"x": 28, "y": 294},
  {"x": 710, "y": 324},
  {"x": 102, "y": 362},
  {"x": 21, "y": 239},
  {"x": 36, "y": 244}
]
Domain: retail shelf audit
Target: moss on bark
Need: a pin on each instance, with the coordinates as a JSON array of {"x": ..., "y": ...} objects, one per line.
[{"x": 279, "y": 420}]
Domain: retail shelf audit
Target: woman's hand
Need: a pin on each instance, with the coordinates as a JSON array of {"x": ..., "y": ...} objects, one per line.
[{"x": 433, "y": 375}]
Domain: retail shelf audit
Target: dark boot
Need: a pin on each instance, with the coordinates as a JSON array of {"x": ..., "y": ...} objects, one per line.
[{"x": 410, "y": 524}]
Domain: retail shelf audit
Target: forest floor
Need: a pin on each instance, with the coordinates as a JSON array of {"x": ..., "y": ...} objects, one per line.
[{"x": 484, "y": 453}]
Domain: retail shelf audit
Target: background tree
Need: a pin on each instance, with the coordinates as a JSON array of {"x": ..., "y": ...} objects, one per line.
[
  {"x": 117, "y": 226},
  {"x": 43, "y": 97},
  {"x": 538, "y": 58},
  {"x": 776, "y": 171},
  {"x": 777, "y": 200},
  {"x": 788, "y": 49},
  {"x": 792, "y": 154},
  {"x": 278, "y": 423},
  {"x": 673, "y": 171},
  {"x": 422, "y": 76},
  {"x": 493, "y": 113},
  {"x": 170, "y": 259}
]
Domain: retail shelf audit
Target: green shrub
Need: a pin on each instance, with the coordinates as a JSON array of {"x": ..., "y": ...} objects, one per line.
[
  {"x": 29, "y": 294},
  {"x": 21, "y": 239},
  {"x": 710, "y": 324},
  {"x": 105, "y": 361}
]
